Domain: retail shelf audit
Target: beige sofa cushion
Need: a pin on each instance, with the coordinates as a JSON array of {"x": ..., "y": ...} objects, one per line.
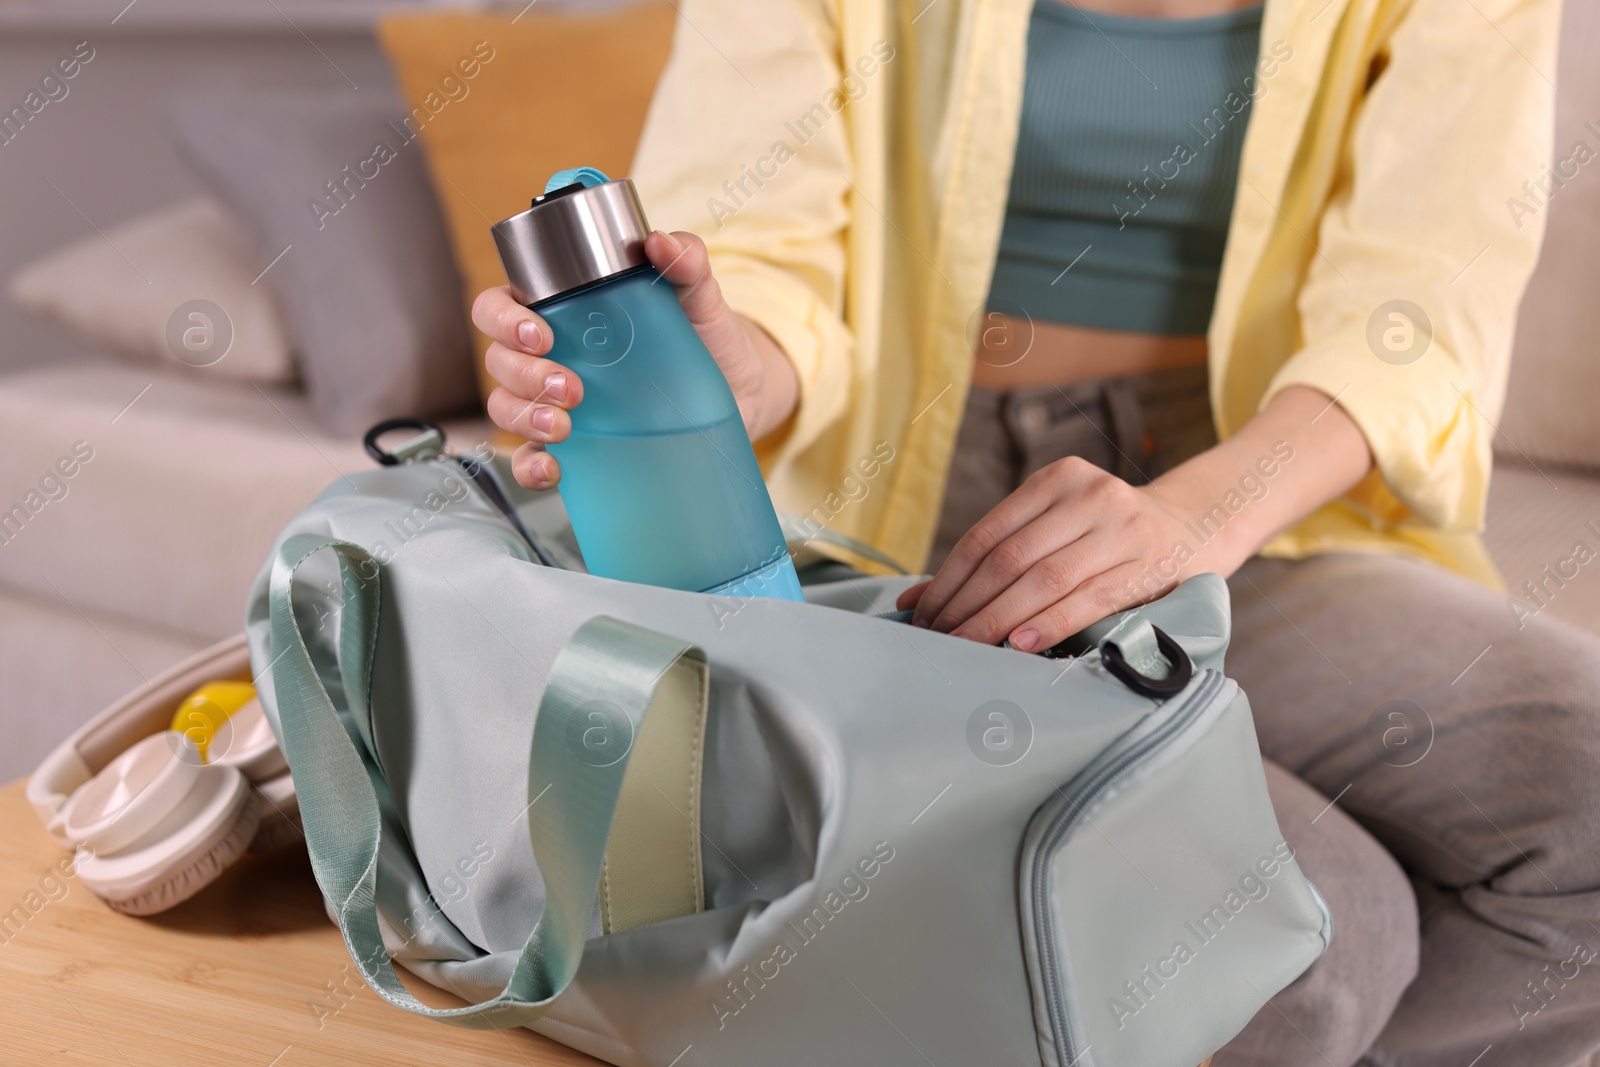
[
  {"x": 184, "y": 254},
  {"x": 1555, "y": 373},
  {"x": 185, "y": 486},
  {"x": 1544, "y": 529}
]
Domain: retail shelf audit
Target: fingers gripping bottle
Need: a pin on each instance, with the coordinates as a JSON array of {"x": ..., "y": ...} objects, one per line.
[{"x": 658, "y": 476}]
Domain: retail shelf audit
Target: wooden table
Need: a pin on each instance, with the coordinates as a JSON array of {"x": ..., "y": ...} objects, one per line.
[{"x": 250, "y": 973}]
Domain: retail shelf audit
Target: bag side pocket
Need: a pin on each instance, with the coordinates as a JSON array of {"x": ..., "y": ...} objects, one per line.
[{"x": 1160, "y": 905}]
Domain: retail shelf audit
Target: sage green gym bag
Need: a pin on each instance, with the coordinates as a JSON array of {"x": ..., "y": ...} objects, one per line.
[{"x": 674, "y": 829}]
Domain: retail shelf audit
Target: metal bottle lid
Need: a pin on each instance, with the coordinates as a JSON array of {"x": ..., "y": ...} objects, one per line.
[{"x": 571, "y": 237}]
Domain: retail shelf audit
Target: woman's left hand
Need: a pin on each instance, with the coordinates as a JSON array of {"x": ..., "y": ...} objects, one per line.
[{"x": 1072, "y": 545}]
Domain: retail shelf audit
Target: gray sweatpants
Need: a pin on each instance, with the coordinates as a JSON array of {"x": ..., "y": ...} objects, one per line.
[{"x": 1434, "y": 763}]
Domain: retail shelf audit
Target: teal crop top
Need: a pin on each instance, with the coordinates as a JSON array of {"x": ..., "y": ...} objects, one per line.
[{"x": 1126, "y": 165}]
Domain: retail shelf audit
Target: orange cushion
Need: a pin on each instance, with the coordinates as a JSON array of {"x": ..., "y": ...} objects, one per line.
[{"x": 501, "y": 102}]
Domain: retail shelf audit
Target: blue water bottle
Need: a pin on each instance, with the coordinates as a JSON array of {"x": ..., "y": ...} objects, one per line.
[{"x": 658, "y": 476}]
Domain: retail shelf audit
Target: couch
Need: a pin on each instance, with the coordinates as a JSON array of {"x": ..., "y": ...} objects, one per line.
[{"x": 148, "y": 555}]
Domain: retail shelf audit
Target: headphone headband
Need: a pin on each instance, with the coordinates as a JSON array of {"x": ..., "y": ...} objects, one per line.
[{"x": 145, "y": 711}]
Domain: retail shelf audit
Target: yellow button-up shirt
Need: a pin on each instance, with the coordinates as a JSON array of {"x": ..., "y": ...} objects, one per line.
[{"x": 847, "y": 162}]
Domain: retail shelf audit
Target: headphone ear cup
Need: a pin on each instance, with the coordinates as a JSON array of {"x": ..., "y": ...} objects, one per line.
[
  {"x": 245, "y": 740},
  {"x": 132, "y": 794},
  {"x": 181, "y": 855}
]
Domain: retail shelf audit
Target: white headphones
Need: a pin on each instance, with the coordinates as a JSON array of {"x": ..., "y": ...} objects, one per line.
[{"x": 154, "y": 813}]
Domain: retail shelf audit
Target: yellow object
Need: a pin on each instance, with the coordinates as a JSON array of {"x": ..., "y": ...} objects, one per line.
[
  {"x": 848, "y": 162},
  {"x": 546, "y": 92},
  {"x": 203, "y": 711},
  {"x": 652, "y": 866}
]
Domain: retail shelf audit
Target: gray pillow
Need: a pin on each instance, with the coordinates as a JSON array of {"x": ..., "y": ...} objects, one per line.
[{"x": 368, "y": 284}]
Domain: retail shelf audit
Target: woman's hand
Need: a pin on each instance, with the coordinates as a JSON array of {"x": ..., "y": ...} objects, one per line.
[
  {"x": 536, "y": 394},
  {"x": 1074, "y": 544}
]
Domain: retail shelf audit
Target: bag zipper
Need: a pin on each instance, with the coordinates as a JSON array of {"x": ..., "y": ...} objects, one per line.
[
  {"x": 429, "y": 445},
  {"x": 484, "y": 478},
  {"x": 1080, "y": 799}
]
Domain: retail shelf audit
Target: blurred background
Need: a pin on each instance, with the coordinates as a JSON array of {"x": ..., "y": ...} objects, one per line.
[{"x": 234, "y": 233}]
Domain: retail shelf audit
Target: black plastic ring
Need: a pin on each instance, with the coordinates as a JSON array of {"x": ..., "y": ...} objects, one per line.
[
  {"x": 1158, "y": 688},
  {"x": 370, "y": 441}
]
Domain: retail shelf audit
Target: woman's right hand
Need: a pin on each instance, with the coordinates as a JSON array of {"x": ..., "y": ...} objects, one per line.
[{"x": 535, "y": 394}]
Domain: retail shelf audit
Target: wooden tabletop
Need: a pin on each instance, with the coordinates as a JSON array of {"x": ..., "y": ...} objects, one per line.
[{"x": 249, "y": 973}]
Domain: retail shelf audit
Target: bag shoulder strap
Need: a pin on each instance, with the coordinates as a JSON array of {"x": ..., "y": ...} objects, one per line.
[
  {"x": 803, "y": 530},
  {"x": 601, "y": 686}
]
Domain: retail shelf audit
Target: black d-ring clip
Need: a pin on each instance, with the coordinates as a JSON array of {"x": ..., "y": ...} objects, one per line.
[
  {"x": 1157, "y": 688},
  {"x": 370, "y": 441}
]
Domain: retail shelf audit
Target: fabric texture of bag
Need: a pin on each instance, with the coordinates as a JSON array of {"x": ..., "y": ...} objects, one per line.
[{"x": 664, "y": 827}]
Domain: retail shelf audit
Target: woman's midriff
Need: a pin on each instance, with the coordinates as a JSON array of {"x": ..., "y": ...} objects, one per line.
[{"x": 1015, "y": 353}]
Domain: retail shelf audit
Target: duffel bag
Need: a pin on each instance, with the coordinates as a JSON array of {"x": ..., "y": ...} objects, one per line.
[{"x": 670, "y": 828}]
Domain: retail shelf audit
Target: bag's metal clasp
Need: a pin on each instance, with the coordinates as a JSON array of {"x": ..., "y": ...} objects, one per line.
[{"x": 427, "y": 444}]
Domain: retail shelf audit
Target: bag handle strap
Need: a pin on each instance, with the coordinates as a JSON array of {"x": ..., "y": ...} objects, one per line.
[
  {"x": 607, "y": 673},
  {"x": 799, "y": 530}
]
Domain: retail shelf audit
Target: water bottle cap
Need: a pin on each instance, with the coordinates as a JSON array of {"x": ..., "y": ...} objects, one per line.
[{"x": 583, "y": 229}]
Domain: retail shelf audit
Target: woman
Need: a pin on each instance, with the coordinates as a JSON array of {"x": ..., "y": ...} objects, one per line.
[{"x": 1162, "y": 223}]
